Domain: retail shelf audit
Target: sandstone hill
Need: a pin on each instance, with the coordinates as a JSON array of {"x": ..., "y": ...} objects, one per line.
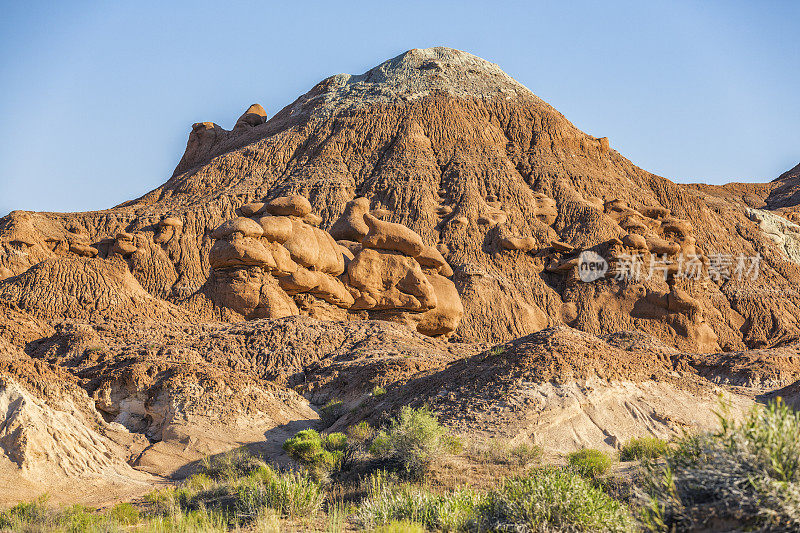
[{"x": 418, "y": 226}]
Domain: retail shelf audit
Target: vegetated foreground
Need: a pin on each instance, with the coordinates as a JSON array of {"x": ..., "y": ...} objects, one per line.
[
  {"x": 744, "y": 476},
  {"x": 376, "y": 300}
]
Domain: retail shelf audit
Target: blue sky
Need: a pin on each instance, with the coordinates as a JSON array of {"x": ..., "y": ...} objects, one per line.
[{"x": 97, "y": 98}]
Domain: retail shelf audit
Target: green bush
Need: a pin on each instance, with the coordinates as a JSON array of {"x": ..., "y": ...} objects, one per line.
[
  {"x": 552, "y": 500},
  {"x": 37, "y": 516},
  {"x": 378, "y": 391},
  {"x": 643, "y": 448},
  {"x": 124, "y": 514},
  {"x": 589, "y": 462},
  {"x": 546, "y": 500},
  {"x": 320, "y": 454},
  {"x": 178, "y": 521},
  {"x": 331, "y": 411},
  {"x": 413, "y": 441},
  {"x": 746, "y": 475},
  {"x": 503, "y": 452},
  {"x": 199, "y": 504},
  {"x": 28, "y": 512},
  {"x": 290, "y": 494}
]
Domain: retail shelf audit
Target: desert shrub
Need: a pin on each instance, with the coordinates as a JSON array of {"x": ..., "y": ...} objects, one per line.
[
  {"x": 498, "y": 350},
  {"x": 230, "y": 465},
  {"x": 525, "y": 453},
  {"x": 267, "y": 521},
  {"x": 745, "y": 475},
  {"x": 290, "y": 494},
  {"x": 379, "y": 482},
  {"x": 178, "y": 521},
  {"x": 360, "y": 432},
  {"x": 37, "y": 516},
  {"x": 336, "y": 513},
  {"x": 413, "y": 441},
  {"x": 335, "y": 442},
  {"x": 408, "y": 503},
  {"x": 503, "y": 452},
  {"x": 242, "y": 500},
  {"x": 589, "y": 462},
  {"x": 79, "y": 518},
  {"x": 552, "y": 500},
  {"x": 124, "y": 514},
  {"x": 643, "y": 448},
  {"x": 34, "y": 512},
  {"x": 378, "y": 391},
  {"x": 331, "y": 411},
  {"x": 319, "y": 454}
]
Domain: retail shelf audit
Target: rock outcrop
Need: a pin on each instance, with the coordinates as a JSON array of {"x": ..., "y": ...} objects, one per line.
[
  {"x": 280, "y": 265},
  {"x": 52, "y": 438}
]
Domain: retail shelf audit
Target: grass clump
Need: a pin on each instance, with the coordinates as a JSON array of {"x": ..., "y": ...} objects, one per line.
[
  {"x": 378, "y": 391},
  {"x": 413, "y": 441},
  {"x": 552, "y": 500},
  {"x": 34, "y": 512},
  {"x": 240, "y": 500},
  {"x": 503, "y": 452},
  {"x": 229, "y": 465},
  {"x": 401, "y": 526},
  {"x": 643, "y": 448},
  {"x": 124, "y": 514},
  {"x": 589, "y": 463},
  {"x": 389, "y": 502},
  {"x": 545, "y": 500},
  {"x": 360, "y": 433},
  {"x": 290, "y": 494},
  {"x": 198, "y": 521},
  {"x": 38, "y": 516},
  {"x": 230, "y": 492},
  {"x": 747, "y": 475},
  {"x": 524, "y": 453}
]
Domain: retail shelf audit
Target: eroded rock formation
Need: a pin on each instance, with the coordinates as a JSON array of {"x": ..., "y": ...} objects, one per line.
[
  {"x": 273, "y": 263},
  {"x": 468, "y": 159}
]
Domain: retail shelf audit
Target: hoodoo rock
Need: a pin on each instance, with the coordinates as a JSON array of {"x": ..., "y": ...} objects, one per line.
[
  {"x": 393, "y": 237},
  {"x": 295, "y": 206},
  {"x": 270, "y": 269},
  {"x": 351, "y": 225},
  {"x": 254, "y": 116}
]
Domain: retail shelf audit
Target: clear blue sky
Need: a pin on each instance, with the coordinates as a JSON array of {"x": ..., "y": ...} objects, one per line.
[{"x": 98, "y": 98}]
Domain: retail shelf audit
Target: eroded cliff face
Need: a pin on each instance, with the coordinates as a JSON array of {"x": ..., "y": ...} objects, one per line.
[{"x": 489, "y": 176}]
